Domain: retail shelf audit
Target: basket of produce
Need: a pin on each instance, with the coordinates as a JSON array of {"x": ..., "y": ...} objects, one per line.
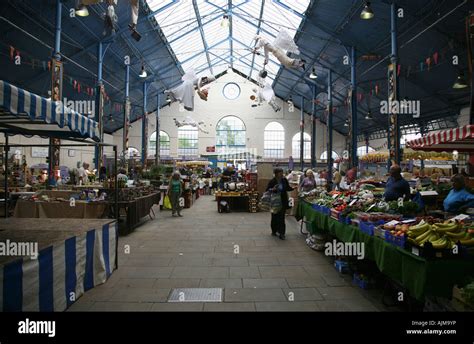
[{"x": 397, "y": 239}]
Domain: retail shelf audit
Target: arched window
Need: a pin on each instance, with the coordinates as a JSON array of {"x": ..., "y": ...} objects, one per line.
[
  {"x": 164, "y": 144},
  {"x": 274, "y": 140},
  {"x": 324, "y": 156},
  {"x": 188, "y": 141},
  {"x": 295, "y": 143},
  {"x": 362, "y": 150},
  {"x": 230, "y": 135}
]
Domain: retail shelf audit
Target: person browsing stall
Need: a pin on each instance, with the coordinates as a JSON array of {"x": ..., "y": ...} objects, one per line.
[
  {"x": 279, "y": 184},
  {"x": 308, "y": 183},
  {"x": 458, "y": 199},
  {"x": 396, "y": 186}
]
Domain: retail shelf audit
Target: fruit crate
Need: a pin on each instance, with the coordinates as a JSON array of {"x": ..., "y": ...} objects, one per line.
[
  {"x": 369, "y": 227},
  {"x": 343, "y": 219},
  {"x": 429, "y": 252},
  {"x": 361, "y": 283},
  {"x": 399, "y": 241},
  {"x": 380, "y": 232},
  {"x": 335, "y": 214}
]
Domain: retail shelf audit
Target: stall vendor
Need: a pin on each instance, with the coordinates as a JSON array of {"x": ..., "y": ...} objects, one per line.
[
  {"x": 396, "y": 186},
  {"x": 458, "y": 198},
  {"x": 227, "y": 175}
]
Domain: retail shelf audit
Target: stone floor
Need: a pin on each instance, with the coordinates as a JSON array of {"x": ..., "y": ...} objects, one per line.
[{"x": 197, "y": 251}]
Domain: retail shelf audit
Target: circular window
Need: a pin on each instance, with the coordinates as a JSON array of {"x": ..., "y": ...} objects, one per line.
[{"x": 231, "y": 90}]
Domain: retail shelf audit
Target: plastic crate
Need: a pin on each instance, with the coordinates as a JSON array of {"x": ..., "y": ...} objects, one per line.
[
  {"x": 361, "y": 283},
  {"x": 399, "y": 241},
  {"x": 344, "y": 219},
  {"x": 341, "y": 266},
  {"x": 367, "y": 227},
  {"x": 316, "y": 207}
]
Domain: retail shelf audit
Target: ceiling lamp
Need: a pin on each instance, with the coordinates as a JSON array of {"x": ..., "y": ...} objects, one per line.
[
  {"x": 460, "y": 82},
  {"x": 143, "y": 73},
  {"x": 290, "y": 100},
  {"x": 225, "y": 21},
  {"x": 81, "y": 11},
  {"x": 346, "y": 123},
  {"x": 313, "y": 74},
  {"x": 168, "y": 98},
  {"x": 367, "y": 12},
  {"x": 368, "y": 115},
  {"x": 111, "y": 118}
]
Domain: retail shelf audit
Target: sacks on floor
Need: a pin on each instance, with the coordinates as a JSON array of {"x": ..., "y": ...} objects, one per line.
[{"x": 167, "y": 202}]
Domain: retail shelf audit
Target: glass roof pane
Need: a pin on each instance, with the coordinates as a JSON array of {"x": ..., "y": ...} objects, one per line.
[{"x": 180, "y": 26}]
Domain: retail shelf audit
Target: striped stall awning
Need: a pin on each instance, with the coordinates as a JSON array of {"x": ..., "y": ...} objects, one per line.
[
  {"x": 19, "y": 102},
  {"x": 460, "y": 139}
]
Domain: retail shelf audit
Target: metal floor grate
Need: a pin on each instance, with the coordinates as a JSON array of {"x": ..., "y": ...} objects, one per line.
[{"x": 196, "y": 295}]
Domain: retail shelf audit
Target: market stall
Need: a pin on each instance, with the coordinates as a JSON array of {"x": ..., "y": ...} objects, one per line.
[
  {"x": 427, "y": 256},
  {"x": 237, "y": 200},
  {"x": 72, "y": 257}
]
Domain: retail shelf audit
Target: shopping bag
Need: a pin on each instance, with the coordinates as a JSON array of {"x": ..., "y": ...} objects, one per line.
[
  {"x": 276, "y": 204},
  {"x": 167, "y": 202},
  {"x": 265, "y": 201}
]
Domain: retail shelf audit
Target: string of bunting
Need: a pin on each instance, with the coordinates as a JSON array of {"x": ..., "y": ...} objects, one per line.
[{"x": 77, "y": 85}]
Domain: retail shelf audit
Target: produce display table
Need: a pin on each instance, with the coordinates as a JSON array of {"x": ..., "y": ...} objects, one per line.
[
  {"x": 74, "y": 255},
  {"x": 56, "y": 209},
  {"x": 239, "y": 200},
  {"x": 421, "y": 277},
  {"x": 135, "y": 210}
]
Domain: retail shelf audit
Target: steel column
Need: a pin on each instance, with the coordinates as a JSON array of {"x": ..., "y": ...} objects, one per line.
[
  {"x": 157, "y": 142},
  {"x": 5, "y": 164},
  {"x": 329, "y": 127},
  {"x": 98, "y": 104},
  {"x": 313, "y": 128},
  {"x": 302, "y": 134},
  {"x": 126, "y": 116},
  {"x": 353, "y": 159},
  {"x": 144, "y": 124}
]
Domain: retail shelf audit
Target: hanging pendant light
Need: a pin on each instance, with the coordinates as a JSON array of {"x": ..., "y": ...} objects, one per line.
[
  {"x": 346, "y": 123},
  {"x": 143, "y": 73},
  {"x": 168, "y": 98},
  {"x": 225, "y": 23},
  {"x": 367, "y": 12},
  {"x": 368, "y": 114},
  {"x": 81, "y": 11},
  {"x": 313, "y": 74},
  {"x": 460, "y": 82}
]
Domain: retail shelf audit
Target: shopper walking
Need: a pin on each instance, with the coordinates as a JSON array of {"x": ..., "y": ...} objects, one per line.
[
  {"x": 175, "y": 189},
  {"x": 279, "y": 185}
]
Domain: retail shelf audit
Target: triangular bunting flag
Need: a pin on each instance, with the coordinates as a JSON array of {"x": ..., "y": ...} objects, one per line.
[
  {"x": 12, "y": 52},
  {"x": 428, "y": 62},
  {"x": 435, "y": 57}
]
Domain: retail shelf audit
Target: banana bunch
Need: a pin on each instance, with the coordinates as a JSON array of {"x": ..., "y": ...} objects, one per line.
[
  {"x": 443, "y": 242},
  {"x": 418, "y": 230},
  {"x": 448, "y": 226}
]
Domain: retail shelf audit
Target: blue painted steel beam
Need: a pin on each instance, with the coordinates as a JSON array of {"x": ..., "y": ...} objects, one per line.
[
  {"x": 144, "y": 123},
  {"x": 58, "y": 28},
  {"x": 231, "y": 42},
  {"x": 192, "y": 30},
  {"x": 289, "y": 9},
  {"x": 302, "y": 134},
  {"x": 329, "y": 127},
  {"x": 203, "y": 37},
  {"x": 259, "y": 25},
  {"x": 313, "y": 127},
  {"x": 161, "y": 9},
  {"x": 157, "y": 143},
  {"x": 353, "y": 159}
]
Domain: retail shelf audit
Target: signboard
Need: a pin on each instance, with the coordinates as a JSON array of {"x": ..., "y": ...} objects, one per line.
[
  {"x": 210, "y": 149},
  {"x": 39, "y": 152}
]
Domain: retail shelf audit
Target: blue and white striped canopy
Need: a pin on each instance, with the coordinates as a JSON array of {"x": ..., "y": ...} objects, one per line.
[{"x": 17, "y": 101}]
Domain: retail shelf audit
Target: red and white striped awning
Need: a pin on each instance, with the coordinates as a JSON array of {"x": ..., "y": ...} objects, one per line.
[{"x": 460, "y": 139}]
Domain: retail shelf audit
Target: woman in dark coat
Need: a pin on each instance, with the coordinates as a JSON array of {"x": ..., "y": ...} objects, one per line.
[{"x": 279, "y": 184}]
